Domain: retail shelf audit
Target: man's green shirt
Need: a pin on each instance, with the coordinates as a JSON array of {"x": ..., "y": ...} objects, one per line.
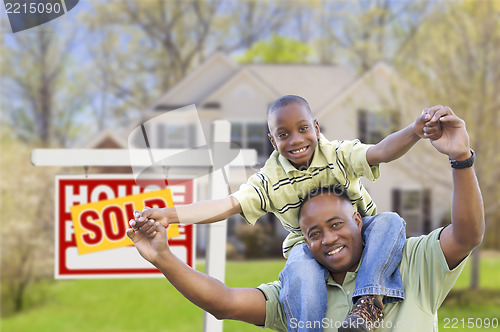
[{"x": 426, "y": 279}]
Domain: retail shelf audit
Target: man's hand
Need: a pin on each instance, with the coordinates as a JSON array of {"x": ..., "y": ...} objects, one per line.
[
  {"x": 467, "y": 210},
  {"x": 424, "y": 128},
  {"x": 454, "y": 140},
  {"x": 150, "y": 240}
]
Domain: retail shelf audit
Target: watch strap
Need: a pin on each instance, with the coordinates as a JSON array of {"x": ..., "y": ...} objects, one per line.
[{"x": 459, "y": 164}]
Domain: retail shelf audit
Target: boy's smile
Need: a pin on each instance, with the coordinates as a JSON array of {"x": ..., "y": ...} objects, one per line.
[{"x": 294, "y": 133}]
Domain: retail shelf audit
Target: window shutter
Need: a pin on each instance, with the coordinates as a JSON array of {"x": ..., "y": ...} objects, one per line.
[
  {"x": 161, "y": 136},
  {"x": 191, "y": 136},
  {"x": 396, "y": 201},
  {"x": 395, "y": 121},
  {"x": 362, "y": 125},
  {"x": 426, "y": 211}
]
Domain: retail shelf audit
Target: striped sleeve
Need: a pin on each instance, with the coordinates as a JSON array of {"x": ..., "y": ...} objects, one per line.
[
  {"x": 351, "y": 157},
  {"x": 253, "y": 197}
]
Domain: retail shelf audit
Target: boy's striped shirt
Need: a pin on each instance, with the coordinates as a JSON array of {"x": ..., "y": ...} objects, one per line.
[{"x": 280, "y": 188}]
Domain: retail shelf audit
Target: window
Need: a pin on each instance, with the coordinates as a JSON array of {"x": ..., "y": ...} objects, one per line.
[
  {"x": 212, "y": 105},
  {"x": 237, "y": 134},
  {"x": 252, "y": 136},
  {"x": 175, "y": 136},
  {"x": 374, "y": 126},
  {"x": 414, "y": 206}
]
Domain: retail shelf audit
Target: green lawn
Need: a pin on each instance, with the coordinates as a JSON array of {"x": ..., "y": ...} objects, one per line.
[
  {"x": 154, "y": 305},
  {"x": 479, "y": 305}
]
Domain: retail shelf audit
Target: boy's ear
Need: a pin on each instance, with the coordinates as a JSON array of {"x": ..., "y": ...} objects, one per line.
[
  {"x": 271, "y": 138},
  {"x": 316, "y": 128}
]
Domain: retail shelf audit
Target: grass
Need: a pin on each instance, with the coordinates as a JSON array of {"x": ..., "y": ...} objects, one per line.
[
  {"x": 154, "y": 305},
  {"x": 478, "y": 305},
  {"x": 129, "y": 304}
]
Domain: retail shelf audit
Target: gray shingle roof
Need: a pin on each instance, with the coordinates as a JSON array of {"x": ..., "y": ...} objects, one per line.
[{"x": 316, "y": 83}]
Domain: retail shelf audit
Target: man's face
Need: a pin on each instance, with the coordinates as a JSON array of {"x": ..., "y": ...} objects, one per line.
[
  {"x": 332, "y": 231},
  {"x": 294, "y": 133}
]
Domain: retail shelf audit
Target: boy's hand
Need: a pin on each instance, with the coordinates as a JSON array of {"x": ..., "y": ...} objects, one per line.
[
  {"x": 426, "y": 125},
  {"x": 159, "y": 215}
]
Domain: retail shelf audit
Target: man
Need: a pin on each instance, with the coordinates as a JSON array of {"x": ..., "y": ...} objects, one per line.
[{"x": 332, "y": 230}]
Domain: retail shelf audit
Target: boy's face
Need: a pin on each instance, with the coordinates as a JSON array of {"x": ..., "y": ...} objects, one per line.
[{"x": 294, "y": 133}]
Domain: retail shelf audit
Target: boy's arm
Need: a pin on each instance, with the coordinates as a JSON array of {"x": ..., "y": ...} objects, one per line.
[
  {"x": 245, "y": 304},
  {"x": 202, "y": 212},
  {"x": 397, "y": 144}
]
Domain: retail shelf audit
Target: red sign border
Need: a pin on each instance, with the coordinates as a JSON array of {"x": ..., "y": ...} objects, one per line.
[{"x": 62, "y": 272}]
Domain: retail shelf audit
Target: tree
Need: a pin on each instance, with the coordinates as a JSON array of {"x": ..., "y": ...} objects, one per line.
[
  {"x": 143, "y": 48},
  {"x": 26, "y": 226},
  {"x": 41, "y": 93},
  {"x": 453, "y": 60},
  {"x": 278, "y": 49},
  {"x": 362, "y": 33}
]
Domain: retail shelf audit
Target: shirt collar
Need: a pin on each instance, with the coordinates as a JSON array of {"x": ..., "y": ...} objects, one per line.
[
  {"x": 319, "y": 159},
  {"x": 349, "y": 276}
]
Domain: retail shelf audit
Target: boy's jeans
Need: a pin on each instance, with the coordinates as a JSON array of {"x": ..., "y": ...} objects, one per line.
[{"x": 303, "y": 286}]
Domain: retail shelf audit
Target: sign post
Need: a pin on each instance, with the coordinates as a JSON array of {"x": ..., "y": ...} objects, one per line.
[
  {"x": 217, "y": 232},
  {"x": 68, "y": 262}
]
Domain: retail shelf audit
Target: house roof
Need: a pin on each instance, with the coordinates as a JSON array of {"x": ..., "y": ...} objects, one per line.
[
  {"x": 250, "y": 77},
  {"x": 108, "y": 139},
  {"x": 379, "y": 70},
  {"x": 193, "y": 88},
  {"x": 321, "y": 85},
  {"x": 318, "y": 84}
]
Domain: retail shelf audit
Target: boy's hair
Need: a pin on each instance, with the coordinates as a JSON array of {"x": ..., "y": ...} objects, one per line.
[
  {"x": 336, "y": 190},
  {"x": 285, "y": 100}
]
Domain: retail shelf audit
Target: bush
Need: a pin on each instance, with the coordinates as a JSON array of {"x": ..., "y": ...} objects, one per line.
[{"x": 258, "y": 240}]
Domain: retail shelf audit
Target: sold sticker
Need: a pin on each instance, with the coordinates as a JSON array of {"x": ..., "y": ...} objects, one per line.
[{"x": 103, "y": 225}]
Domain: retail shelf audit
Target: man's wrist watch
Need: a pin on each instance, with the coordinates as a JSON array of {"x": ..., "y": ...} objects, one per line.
[{"x": 459, "y": 164}]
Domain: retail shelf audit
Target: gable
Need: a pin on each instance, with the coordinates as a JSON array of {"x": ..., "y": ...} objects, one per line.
[
  {"x": 107, "y": 139},
  {"x": 318, "y": 84},
  {"x": 243, "y": 96},
  {"x": 199, "y": 83},
  {"x": 379, "y": 89}
]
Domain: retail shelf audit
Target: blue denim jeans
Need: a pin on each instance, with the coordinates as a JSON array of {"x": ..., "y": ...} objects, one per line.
[{"x": 303, "y": 287}]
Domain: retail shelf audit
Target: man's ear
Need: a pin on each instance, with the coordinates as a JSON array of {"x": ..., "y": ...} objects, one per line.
[
  {"x": 271, "y": 138},
  {"x": 358, "y": 220},
  {"x": 306, "y": 239},
  {"x": 316, "y": 128}
]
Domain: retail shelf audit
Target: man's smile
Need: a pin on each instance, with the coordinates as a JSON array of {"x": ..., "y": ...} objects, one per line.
[{"x": 334, "y": 251}]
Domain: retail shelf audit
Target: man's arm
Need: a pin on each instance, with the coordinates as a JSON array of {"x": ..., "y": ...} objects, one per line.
[
  {"x": 202, "y": 212},
  {"x": 467, "y": 211},
  {"x": 397, "y": 144},
  {"x": 211, "y": 295}
]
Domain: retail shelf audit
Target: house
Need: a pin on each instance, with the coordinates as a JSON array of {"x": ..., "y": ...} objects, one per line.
[{"x": 347, "y": 106}]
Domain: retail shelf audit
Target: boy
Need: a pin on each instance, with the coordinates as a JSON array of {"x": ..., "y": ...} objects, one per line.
[{"x": 303, "y": 159}]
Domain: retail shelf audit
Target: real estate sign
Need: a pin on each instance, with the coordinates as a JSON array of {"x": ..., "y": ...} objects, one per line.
[{"x": 92, "y": 214}]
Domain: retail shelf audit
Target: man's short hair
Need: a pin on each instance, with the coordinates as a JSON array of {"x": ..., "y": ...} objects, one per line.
[
  {"x": 286, "y": 100},
  {"x": 337, "y": 190}
]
